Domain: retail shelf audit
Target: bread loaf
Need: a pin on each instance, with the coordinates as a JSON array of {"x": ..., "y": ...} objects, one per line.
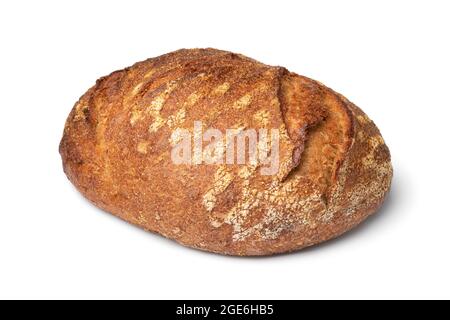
[{"x": 325, "y": 170}]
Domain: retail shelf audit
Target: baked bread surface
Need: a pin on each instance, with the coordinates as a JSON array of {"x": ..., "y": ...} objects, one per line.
[{"x": 334, "y": 171}]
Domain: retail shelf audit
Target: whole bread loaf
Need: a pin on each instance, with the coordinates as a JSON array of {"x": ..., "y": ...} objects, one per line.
[{"x": 117, "y": 149}]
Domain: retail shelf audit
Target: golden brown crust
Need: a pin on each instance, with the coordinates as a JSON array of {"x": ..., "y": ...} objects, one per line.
[{"x": 335, "y": 168}]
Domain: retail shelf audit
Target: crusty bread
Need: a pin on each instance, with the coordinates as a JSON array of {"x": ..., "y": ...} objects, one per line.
[{"x": 334, "y": 171}]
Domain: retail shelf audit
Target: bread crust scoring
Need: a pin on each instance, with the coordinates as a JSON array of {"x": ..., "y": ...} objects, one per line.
[{"x": 335, "y": 168}]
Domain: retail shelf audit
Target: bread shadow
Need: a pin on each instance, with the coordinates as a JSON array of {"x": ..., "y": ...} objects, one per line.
[{"x": 379, "y": 219}]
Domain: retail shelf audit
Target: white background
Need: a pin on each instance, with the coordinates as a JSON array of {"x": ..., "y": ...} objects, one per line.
[{"x": 389, "y": 57}]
